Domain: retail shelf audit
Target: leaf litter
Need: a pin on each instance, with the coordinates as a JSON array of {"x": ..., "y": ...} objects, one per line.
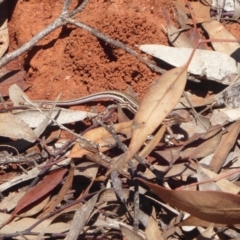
[{"x": 174, "y": 165}]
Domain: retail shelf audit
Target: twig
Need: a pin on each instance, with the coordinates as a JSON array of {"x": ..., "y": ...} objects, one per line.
[
  {"x": 159, "y": 174},
  {"x": 60, "y": 21}
]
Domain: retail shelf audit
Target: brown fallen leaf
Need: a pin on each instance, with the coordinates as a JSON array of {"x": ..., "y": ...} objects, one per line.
[
  {"x": 204, "y": 149},
  {"x": 59, "y": 197},
  {"x": 81, "y": 217},
  {"x": 152, "y": 230},
  {"x": 129, "y": 234},
  {"x": 38, "y": 191},
  {"x": 152, "y": 144},
  {"x": 226, "y": 144},
  {"x": 211, "y": 206},
  {"x": 224, "y": 184},
  {"x": 38, "y": 206},
  {"x": 13, "y": 127},
  {"x": 194, "y": 221},
  {"x": 160, "y": 99}
]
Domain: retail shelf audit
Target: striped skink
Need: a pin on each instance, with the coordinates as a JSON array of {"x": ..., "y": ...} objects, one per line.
[{"x": 124, "y": 99}]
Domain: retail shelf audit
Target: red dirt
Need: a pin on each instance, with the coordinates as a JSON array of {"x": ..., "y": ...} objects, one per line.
[{"x": 73, "y": 62}]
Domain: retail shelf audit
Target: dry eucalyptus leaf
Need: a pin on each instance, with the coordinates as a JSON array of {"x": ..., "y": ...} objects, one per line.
[
  {"x": 11, "y": 200},
  {"x": 226, "y": 144},
  {"x": 10, "y": 77},
  {"x": 36, "y": 208},
  {"x": 215, "y": 66},
  {"x": 81, "y": 217},
  {"x": 152, "y": 230},
  {"x": 158, "y": 102},
  {"x": 13, "y": 127},
  {"x": 212, "y": 206},
  {"x": 203, "y": 149},
  {"x": 129, "y": 234},
  {"x": 31, "y": 174},
  {"x": 216, "y": 30},
  {"x": 197, "y": 101},
  {"x": 86, "y": 169},
  {"x": 223, "y": 184},
  {"x": 202, "y": 176},
  {"x": 181, "y": 169},
  {"x": 24, "y": 223},
  {"x": 194, "y": 221},
  {"x": 152, "y": 144},
  {"x": 63, "y": 116}
]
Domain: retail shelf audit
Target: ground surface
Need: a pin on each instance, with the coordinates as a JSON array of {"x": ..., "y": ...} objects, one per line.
[{"x": 75, "y": 63}]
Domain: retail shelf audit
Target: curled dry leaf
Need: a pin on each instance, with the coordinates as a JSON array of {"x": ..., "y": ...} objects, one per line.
[
  {"x": 211, "y": 206},
  {"x": 206, "y": 233},
  {"x": 160, "y": 99}
]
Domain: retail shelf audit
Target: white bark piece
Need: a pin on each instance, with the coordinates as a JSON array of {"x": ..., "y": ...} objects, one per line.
[
  {"x": 227, "y": 5},
  {"x": 215, "y": 66}
]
